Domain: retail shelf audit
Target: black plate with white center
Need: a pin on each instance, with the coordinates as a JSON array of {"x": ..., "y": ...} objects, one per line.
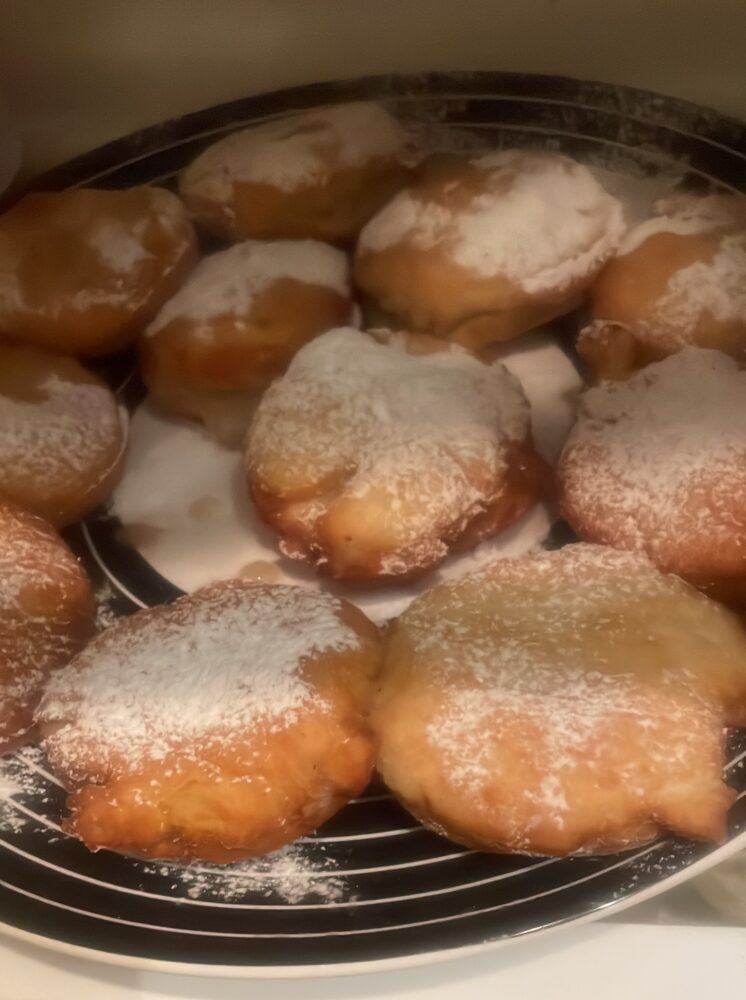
[{"x": 371, "y": 889}]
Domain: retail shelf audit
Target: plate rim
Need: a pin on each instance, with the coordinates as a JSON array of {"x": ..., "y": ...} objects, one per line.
[{"x": 202, "y": 970}]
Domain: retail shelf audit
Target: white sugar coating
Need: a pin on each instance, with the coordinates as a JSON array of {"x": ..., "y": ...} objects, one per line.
[
  {"x": 221, "y": 661},
  {"x": 227, "y": 282},
  {"x": 297, "y": 151},
  {"x": 119, "y": 246},
  {"x": 641, "y": 448},
  {"x": 289, "y": 874},
  {"x": 716, "y": 286},
  {"x": 33, "y": 561},
  {"x": 542, "y": 221},
  {"x": 533, "y": 639},
  {"x": 681, "y": 216},
  {"x": 407, "y": 426},
  {"x": 62, "y": 434}
]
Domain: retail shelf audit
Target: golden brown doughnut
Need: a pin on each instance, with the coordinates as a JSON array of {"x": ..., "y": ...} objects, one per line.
[
  {"x": 562, "y": 702},
  {"x": 47, "y": 613},
  {"x": 62, "y": 435},
  {"x": 483, "y": 250},
  {"x": 319, "y": 175},
  {"x": 372, "y": 458},
  {"x": 236, "y": 323},
  {"x": 657, "y": 463},
  {"x": 82, "y": 270},
  {"x": 678, "y": 279},
  {"x": 219, "y": 727}
]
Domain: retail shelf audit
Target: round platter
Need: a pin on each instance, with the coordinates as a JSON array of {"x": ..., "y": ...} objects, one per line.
[{"x": 371, "y": 889}]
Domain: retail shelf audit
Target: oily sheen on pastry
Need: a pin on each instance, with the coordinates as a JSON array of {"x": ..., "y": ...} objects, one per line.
[
  {"x": 570, "y": 701},
  {"x": 678, "y": 279},
  {"x": 218, "y": 727},
  {"x": 237, "y": 322},
  {"x": 81, "y": 271},
  {"x": 320, "y": 175},
  {"x": 482, "y": 250},
  {"x": 374, "y": 455},
  {"x": 47, "y": 613},
  {"x": 62, "y": 435},
  {"x": 657, "y": 464}
]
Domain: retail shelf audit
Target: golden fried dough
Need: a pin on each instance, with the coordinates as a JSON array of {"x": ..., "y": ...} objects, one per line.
[
  {"x": 219, "y": 727},
  {"x": 562, "y": 702},
  {"x": 483, "y": 250},
  {"x": 678, "y": 279},
  {"x": 46, "y": 614},
  {"x": 376, "y": 454},
  {"x": 62, "y": 435},
  {"x": 237, "y": 322},
  {"x": 320, "y": 175},
  {"x": 81, "y": 271},
  {"x": 658, "y": 464}
]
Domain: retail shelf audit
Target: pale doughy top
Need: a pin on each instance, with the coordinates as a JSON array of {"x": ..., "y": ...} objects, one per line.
[
  {"x": 208, "y": 667},
  {"x": 226, "y": 283},
  {"x": 293, "y": 153},
  {"x": 541, "y": 221},
  {"x": 642, "y": 449},
  {"x": 408, "y": 426}
]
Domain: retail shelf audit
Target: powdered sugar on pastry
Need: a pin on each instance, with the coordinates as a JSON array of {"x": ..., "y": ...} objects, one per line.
[
  {"x": 716, "y": 286},
  {"x": 226, "y": 659},
  {"x": 541, "y": 221},
  {"x": 225, "y": 283},
  {"x": 61, "y": 431},
  {"x": 643, "y": 449},
  {"x": 294, "y": 152},
  {"x": 377, "y": 420},
  {"x": 680, "y": 216}
]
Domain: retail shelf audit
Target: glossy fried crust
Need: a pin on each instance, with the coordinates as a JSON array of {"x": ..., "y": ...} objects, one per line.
[
  {"x": 62, "y": 435},
  {"x": 234, "y": 793},
  {"x": 85, "y": 269},
  {"x": 402, "y": 523},
  {"x": 569, "y": 702},
  {"x": 47, "y": 613},
  {"x": 669, "y": 292}
]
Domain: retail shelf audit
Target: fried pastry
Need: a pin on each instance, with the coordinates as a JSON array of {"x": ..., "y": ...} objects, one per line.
[
  {"x": 219, "y": 727},
  {"x": 374, "y": 455},
  {"x": 62, "y": 435},
  {"x": 657, "y": 463},
  {"x": 570, "y": 701},
  {"x": 236, "y": 323},
  {"x": 81, "y": 271},
  {"x": 318, "y": 175},
  {"x": 480, "y": 251},
  {"x": 47, "y": 613},
  {"x": 679, "y": 279}
]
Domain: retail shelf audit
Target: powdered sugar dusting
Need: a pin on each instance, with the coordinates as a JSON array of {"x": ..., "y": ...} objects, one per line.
[
  {"x": 294, "y": 152},
  {"x": 62, "y": 433},
  {"x": 289, "y": 875},
  {"x": 381, "y": 419},
  {"x": 226, "y": 283},
  {"x": 642, "y": 448},
  {"x": 681, "y": 216},
  {"x": 227, "y": 657},
  {"x": 716, "y": 286},
  {"x": 539, "y": 220}
]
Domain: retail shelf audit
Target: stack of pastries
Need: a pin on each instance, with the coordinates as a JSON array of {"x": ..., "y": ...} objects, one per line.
[{"x": 343, "y": 337}]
